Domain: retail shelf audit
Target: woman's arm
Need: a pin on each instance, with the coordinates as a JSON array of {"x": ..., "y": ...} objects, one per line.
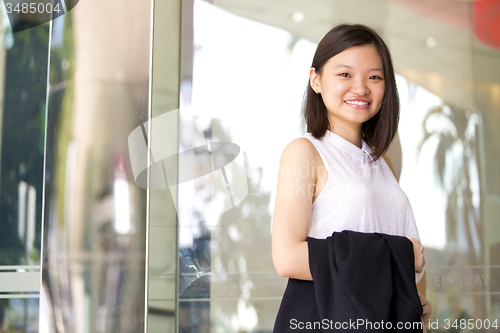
[
  {"x": 421, "y": 286},
  {"x": 292, "y": 212},
  {"x": 418, "y": 249}
]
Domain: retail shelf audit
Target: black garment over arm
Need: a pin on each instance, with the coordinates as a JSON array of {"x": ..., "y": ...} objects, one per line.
[{"x": 363, "y": 282}]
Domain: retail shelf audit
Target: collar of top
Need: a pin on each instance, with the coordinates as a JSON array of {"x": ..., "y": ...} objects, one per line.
[{"x": 361, "y": 154}]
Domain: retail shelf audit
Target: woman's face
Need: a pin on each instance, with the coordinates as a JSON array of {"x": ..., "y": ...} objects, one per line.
[{"x": 352, "y": 85}]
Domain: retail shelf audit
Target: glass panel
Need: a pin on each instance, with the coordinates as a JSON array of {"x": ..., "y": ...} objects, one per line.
[
  {"x": 484, "y": 181},
  {"x": 95, "y": 216},
  {"x": 164, "y": 124},
  {"x": 227, "y": 279},
  {"x": 23, "y": 83},
  {"x": 245, "y": 86},
  {"x": 20, "y": 314}
]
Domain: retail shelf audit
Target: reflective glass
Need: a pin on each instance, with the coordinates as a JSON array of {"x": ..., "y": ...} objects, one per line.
[
  {"x": 250, "y": 64},
  {"x": 163, "y": 164},
  {"x": 95, "y": 215},
  {"x": 23, "y": 83},
  {"x": 162, "y": 140}
]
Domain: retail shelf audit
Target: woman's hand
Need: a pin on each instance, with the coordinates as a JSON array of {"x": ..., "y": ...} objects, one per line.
[
  {"x": 426, "y": 315},
  {"x": 418, "y": 250}
]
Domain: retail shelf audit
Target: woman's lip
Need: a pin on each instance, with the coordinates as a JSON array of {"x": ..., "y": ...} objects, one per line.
[
  {"x": 358, "y": 106},
  {"x": 358, "y": 100}
]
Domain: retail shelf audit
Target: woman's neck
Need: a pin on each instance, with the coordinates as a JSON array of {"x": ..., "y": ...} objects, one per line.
[{"x": 351, "y": 135}]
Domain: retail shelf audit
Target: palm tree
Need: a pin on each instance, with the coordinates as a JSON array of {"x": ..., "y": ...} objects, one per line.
[{"x": 456, "y": 159}]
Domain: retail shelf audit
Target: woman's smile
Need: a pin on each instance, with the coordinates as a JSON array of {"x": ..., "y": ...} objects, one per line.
[{"x": 358, "y": 103}]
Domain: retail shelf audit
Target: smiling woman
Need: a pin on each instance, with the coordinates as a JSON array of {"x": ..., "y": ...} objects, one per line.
[
  {"x": 352, "y": 62},
  {"x": 352, "y": 87},
  {"x": 352, "y": 114}
]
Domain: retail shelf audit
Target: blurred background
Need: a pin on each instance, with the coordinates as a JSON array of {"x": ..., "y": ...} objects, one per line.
[{"x": 140, "y": 145}]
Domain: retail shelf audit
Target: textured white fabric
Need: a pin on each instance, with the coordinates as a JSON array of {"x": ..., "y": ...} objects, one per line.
[{"x": 358, "y": 195}]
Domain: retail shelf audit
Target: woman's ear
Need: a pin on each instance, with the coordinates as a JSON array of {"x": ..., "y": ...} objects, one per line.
[{"x": 314, "y": 80}]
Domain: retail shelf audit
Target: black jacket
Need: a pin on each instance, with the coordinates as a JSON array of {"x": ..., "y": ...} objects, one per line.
[{"x": 363, "y": 282}]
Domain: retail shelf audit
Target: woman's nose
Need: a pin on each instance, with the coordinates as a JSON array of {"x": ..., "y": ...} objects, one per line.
[{"x": 360, "y": 88}]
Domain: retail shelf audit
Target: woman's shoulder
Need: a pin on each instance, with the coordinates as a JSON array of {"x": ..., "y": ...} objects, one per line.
[
  {"x": 305, "y": 142},
  {"x": 299, "y": 151},
  {"x": 301, "y": 146}
]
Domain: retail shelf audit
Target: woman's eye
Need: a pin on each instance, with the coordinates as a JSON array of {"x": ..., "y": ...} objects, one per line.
[
  {"x": 376, "y": 77},
  {"x": 344, "y": 74}
]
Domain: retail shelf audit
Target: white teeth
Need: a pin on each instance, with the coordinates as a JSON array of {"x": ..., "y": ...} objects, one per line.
[{"x": 357, "y": 102}]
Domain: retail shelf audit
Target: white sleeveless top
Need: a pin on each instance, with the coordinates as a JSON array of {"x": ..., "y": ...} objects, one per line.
[{"x": 358, "y": 196}]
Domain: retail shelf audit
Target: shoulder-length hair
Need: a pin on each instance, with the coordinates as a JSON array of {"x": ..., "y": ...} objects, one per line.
[{"x": 379, "y": 131}]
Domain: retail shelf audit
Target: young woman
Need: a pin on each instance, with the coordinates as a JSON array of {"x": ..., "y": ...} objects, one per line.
[{"x": 337, "y": 176}]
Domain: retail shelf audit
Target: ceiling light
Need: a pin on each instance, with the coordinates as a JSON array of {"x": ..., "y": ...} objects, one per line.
[
  {"x": 431, "y": 42},
  {"x": 298, "y": 16}
]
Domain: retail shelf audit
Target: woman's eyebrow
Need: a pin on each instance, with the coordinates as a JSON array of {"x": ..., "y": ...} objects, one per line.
[
  {"x": 347, "y": 66},
  {"x": 343, "y": 65}
]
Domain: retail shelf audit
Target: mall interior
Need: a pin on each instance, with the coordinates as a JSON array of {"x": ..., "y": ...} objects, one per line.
[{"x": 118, "y": 211}]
